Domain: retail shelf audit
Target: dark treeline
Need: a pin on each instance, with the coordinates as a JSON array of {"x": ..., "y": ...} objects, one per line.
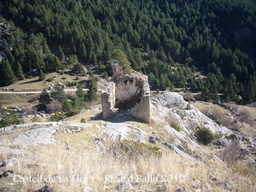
[{"x": 167, "y": 40}]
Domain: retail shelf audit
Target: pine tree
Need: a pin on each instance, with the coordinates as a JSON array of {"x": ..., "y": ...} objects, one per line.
[
  {"x": 19, "y": 71},
  {"x": 163, "y": 81},
  {"x": 30, "y": 69},
  {"x": 58, "y": 64},
  {"x": 10, "y": 58},
  {"x": 44, "y": 98},
  {"x": 151, "y": 79},
  {"x": 80, "y": 92},
  {"x": 82, "y": 51},
  {"x": 78, "y": 69},
  {"x": 36, "y": 61},
  {"x": 7, "y": 76},
  {"x": 171, "y": 87},
  {"x": 59, "y": 94},
  {"x": 61, "y": 55},
  {"x": 46, "y": 48},
  {"x": 92, "y": 88},
  {"x": 67, "y": 106},
  {"x": 121, "y": 59},
  {"x": 41, "y": 75}
]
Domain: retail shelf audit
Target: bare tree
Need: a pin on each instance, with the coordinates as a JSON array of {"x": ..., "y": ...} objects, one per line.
[
  {"x": 236, "y": 127},
  {"x": 28, "y": 110},
  {"x": 54, "y": 106},
  {"x": 246, "y": 116},
  {"x": 225, "y": 120},
  {"x": 231, "y": 153},
  {"x": 188, "y": 96}
]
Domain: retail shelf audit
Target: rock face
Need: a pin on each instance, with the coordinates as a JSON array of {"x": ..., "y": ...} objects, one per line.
[
  {"x": 176, "y": 109},
  {"x": 127, "y": 93},
  {"x": 36, "y": 136},
  {"x": 123, "y": 131}
]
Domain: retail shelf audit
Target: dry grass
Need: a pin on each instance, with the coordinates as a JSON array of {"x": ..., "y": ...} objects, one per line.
[
  {"x": 101, "y": 171},
  {"x": 34, "y": 85},
  {"x": 19, "y": 99},
  {"x": 246, "y": 119},
  {"x": 87, "y": 114}
]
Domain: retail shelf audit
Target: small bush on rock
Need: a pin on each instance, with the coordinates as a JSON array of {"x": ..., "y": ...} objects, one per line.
[
  {"x": 82, "y": 120},
  {"x": 205, "y": 135},
  {"x": 175, "y": 126}
]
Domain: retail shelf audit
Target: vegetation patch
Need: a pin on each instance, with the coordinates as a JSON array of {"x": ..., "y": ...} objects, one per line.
[
  {"x": 49, "y": 79},
  {"x": 132, "y": 150},
  {"x": 205, "y": 135},
  {"x": 217, "y": 121},
  {"x": 9, "y": 117},
  {"x": 82, "y": 120},
  {"x": 175, "y": 126},
  {"x": 56, "y": 117}
]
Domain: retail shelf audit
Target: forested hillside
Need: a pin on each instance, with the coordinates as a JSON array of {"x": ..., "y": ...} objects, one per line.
[{"x": 167, "y": 40}]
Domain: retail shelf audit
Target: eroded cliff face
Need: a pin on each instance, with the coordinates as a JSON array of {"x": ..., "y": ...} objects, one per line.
[{"x": 127, "y": 93}]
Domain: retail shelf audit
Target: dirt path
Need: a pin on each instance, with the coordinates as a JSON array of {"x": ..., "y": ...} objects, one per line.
[{"x": 34, "y": 92}]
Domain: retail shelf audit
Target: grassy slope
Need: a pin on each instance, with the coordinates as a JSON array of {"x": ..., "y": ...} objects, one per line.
[{"x": 33, "y": 85}]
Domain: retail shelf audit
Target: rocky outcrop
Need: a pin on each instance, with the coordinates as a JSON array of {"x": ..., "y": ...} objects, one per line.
[
  {"x": 123, "y": 132},
  {"x": 127, "y": 93},
  {"x": 174, "y": 108}
]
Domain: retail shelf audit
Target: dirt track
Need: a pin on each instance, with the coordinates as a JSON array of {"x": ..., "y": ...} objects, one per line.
[{"x": 34, "y": 92}]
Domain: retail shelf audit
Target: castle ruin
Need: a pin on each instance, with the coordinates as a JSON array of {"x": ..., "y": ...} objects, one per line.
[{"x": 127, "y": 93}]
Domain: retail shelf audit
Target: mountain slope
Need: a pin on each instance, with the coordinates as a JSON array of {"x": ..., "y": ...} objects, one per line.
[{"x": 216, "y": 37}]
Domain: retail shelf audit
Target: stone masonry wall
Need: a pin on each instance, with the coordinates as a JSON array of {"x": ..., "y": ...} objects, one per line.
[{"x": 128, "y": 93}]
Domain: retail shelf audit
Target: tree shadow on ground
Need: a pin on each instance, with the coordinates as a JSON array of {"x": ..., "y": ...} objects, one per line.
[
  {"x": 28, "y": 82},
  {"x": 118, "y": 118}
]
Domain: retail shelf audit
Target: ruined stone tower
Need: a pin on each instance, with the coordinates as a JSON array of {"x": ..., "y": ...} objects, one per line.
[{"x": 127, "y": 93}]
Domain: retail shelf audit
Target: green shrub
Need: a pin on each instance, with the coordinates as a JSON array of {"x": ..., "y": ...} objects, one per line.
[
  {"x": 188, "y": 106},
  {"x": 82, "y": 120},
  {"x": 205, "y": 135},
  {"x": 56, "y": 117},
  {"x": 72, "y": 112},
  {"x": 29, "y": 76},
  {"x": 218, "y": 121},
  {"x": 10, "y": 118},
  {"x": 49, "y": 79},
  {"x": 181, "y": 113},
  {"x": 105, "y": 75},
  {"x": 41, "y": 75},
  {"x": 175, "y": 126},
  {"x": 63, "y": 78},
  {"x": 218, "y": 135}
]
